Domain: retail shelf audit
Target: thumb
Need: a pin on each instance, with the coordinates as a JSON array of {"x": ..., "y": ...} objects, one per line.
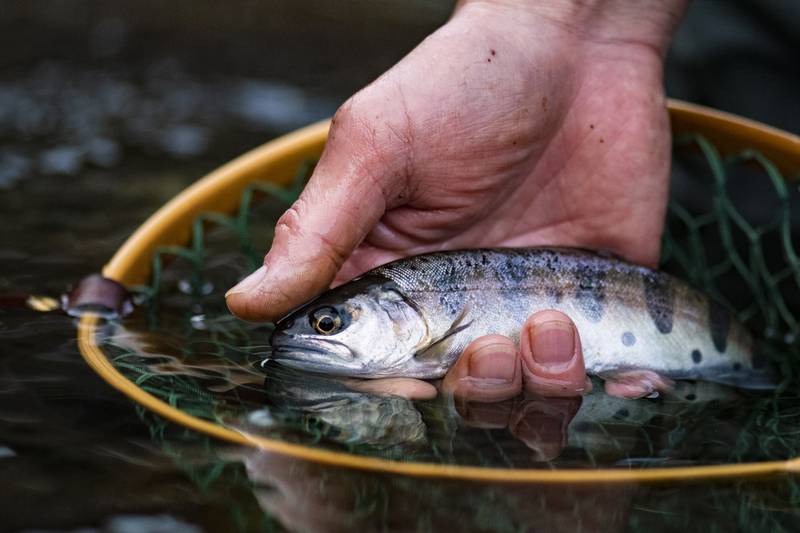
[
  {"x": 341, "y": 203},
  {"x": 552, "y": 357}
]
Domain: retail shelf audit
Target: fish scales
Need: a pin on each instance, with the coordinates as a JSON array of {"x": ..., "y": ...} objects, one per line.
[
  {"x": 628, "y": 316},
  {"x": 605, "y": 297}
]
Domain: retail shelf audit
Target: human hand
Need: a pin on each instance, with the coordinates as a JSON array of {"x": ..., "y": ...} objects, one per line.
[{"x": 514, "y": 124}]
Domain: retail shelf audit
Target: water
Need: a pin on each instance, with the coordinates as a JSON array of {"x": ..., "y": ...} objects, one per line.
[
  {"x": 214, "y": 372},
  {"x": 105, "y": 117}
]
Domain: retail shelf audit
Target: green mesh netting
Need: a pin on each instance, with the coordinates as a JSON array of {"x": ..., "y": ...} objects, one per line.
[
  {"x": 744, "y": 259},
  {"x": 729, "y": 232}
]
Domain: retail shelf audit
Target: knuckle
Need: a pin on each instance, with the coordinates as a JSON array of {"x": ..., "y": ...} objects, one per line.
[
  {"x": 342, "y": 116},
  {"x": 288, "y": 224},
  {"x": 352, "y": 117}
]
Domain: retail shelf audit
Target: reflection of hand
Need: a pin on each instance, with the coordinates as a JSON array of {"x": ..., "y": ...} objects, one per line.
[
  {"x": 515, "y": 124},
  {"x": 534, "y": 390},
  {"x": 540, "y": 423},
  {"x": 548, "y": 369}
]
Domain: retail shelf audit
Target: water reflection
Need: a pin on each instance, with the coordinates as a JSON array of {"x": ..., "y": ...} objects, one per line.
[
  {"x": 338, "y": 411},
  {"x": 310, "y": 497},
  {"x": 218, "y": 379},
  {"x": 305, "y": 496},
  {"x": 597, "y": 429}
]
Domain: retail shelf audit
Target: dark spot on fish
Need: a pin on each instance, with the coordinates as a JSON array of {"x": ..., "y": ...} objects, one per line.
[
  {"x": 697, "y": 356},
  {"x": 737, "y": 367},
  {"x": 659, "y": 295},
  {"x": 691, "y": 396},
  {"x": 484, "y": 259},
  {"x": 555, "y": 293},
  {"x": 493, "y": 51},
  {"x": 591, "y": 126},
  {"x": 601, "y": 141},
  {"x": 448, "y": 273},
  {"x": 590, "y": 292},
  {"x": 719, "y": 322},
  {"x": 449, "y": 304},
  {"x": 628, "y": 338},
  {"x": 515, "y": 269},
  {"x": 621, "y": 414}
]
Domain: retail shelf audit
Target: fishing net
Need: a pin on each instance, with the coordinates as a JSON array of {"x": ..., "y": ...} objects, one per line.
[{"x": 729, "y": 232}]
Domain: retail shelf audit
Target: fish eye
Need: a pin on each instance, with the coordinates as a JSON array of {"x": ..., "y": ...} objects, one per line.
[{"x": 326, "y": 320}]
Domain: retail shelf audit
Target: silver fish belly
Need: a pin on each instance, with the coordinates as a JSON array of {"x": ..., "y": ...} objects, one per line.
[{"x": 628, "y": 316}]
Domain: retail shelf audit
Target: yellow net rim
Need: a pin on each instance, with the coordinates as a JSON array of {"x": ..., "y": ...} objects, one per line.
[{"x": 277, "y": 161}]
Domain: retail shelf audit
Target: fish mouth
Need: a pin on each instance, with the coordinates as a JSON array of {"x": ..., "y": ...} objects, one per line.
[{"x": 294, "y": 351}]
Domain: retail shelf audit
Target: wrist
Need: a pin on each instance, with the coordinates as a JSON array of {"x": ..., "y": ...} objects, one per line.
[{"x": 648, "y": 23}]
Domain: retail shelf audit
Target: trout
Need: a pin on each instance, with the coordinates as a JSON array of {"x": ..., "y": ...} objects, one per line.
[{"x": 413, "y": 317}]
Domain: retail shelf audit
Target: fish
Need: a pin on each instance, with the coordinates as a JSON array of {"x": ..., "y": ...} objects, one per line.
[{"x": 413, "y": 317}]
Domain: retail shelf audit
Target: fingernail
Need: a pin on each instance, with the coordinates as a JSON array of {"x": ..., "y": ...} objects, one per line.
[
  {"x": 552, "y": 343},
  {"x": 494, "y": 361},
  {"x": 249, "y": 283}
]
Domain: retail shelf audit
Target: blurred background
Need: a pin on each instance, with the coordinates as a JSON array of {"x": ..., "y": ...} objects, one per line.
[{"x": 109, "y": 108}]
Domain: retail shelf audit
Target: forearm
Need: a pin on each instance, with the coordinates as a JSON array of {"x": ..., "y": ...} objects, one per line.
[{"x": 649, "y": 23}]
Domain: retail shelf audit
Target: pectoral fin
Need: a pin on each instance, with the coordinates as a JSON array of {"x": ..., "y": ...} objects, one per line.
[{"x": 435, "y": 347}]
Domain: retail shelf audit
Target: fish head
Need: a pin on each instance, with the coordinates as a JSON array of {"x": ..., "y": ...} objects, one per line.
[{"x": 364, "y": 328}]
